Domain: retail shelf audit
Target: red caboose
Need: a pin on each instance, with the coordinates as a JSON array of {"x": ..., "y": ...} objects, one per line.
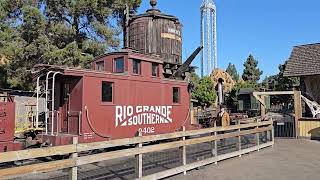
[{"x": 126, "y": 92}]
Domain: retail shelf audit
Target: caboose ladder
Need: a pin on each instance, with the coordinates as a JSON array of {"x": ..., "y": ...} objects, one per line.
[{"x": 50, "y": 109}]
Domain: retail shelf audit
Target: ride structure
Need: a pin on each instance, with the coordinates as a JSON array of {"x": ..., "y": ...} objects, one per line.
[{"x": 208, "y": 37}]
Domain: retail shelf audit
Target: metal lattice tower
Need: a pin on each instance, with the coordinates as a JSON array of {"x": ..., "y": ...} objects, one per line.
[{"x": 208, "y": 37}]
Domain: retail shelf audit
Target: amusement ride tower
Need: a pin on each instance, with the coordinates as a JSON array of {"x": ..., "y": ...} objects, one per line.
[{"x": 208, "y": 37}]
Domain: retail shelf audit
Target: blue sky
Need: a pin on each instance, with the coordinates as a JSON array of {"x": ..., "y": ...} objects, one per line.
[{"x": 266, "y": 28}]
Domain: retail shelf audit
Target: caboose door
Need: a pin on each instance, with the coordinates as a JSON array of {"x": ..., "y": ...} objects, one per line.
[
  {"x": 7, "y": 121},
  {"x": 71, "y": 106}
]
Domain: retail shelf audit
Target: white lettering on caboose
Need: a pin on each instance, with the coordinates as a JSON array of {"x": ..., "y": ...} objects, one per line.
[{"x": 142, "y": 115}]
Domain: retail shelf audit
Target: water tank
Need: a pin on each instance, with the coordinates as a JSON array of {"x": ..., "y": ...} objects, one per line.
[{"x": 156, "y": 33}]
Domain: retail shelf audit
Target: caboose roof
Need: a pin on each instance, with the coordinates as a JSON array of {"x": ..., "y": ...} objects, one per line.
[{"x": 133, "y": 54}]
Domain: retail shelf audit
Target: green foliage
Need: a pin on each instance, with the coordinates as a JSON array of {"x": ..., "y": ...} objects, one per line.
[
  {"x": 251, "y": 71},
  {"x": 232, "y": 71},
  {"x": 60, "y": 32},
  {"x": 194, "y": 78},
  {"x": 204, "y": 91},
  {"x": 279, "y": 82}
]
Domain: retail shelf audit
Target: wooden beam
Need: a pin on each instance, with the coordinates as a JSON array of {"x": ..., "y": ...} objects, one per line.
[
  {"x": 274, "y": 93},
  {"x": 259, "y": 99},
  {"x": 297, "y": 111},
  {"x": 138, "y": 167},
  {"x": 74, "y": 170},
  {"x": 37, "y": 168},
  {"x": 263, "y": 106},
  {"x": 239, "y": 141},
  {"x": 36, "y": 153},
  {"x": 183, "y": 150}
]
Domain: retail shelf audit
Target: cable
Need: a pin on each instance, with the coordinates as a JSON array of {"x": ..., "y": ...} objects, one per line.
[
  {"x": 92, "y": 128},
  {"x": 184, "y": 122}
]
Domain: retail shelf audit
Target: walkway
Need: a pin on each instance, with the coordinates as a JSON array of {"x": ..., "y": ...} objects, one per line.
[{"x": 288, "y": 160}]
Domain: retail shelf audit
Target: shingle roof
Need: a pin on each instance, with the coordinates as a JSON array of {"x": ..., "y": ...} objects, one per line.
[{"x": 304, "y": 60}]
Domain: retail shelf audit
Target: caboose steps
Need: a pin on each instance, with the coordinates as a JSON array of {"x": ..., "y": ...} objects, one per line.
[{"x": 54, "y": 140}]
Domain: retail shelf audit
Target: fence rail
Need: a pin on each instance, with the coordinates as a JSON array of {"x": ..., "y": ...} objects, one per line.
[{"x": 178, "y": 140}]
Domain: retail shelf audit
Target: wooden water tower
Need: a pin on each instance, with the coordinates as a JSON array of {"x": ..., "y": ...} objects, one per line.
[{"x": 155, "y": 33}]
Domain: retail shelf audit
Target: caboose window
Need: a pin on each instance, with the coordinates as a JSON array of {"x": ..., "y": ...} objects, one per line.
[
  {"x": 100, "y": 66},
  {"x": 119, "y": 65},
  {"x": 155, "y": 69},
  {"x": 176, "y": 95},
  {"x": 136, "y": 66},
  {"x": 107, "y": 91}
]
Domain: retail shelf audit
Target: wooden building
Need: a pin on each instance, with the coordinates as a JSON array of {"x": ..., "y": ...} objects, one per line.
[
  {"x": 304, "y": 62},
  {"x": 247, "y": 102}
]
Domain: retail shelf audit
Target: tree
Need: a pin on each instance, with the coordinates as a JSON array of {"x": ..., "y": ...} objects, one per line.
[
  {"x": 60, "y": 32},
  {"x": 285, "y": 83},
  {"x": 251, "y": 71},
  {"x": 232, "y": 71},
  {"x": 205, "y": 92},
  {"x": 281, "y": 83}
]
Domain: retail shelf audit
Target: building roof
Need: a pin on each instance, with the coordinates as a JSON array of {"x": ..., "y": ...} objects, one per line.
[
  {"x": 304, "y": 60},
  {"x": 245, "y": 91}
]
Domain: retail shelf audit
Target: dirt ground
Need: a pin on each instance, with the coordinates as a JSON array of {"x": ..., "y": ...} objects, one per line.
[{"x": 289, "y": 159}]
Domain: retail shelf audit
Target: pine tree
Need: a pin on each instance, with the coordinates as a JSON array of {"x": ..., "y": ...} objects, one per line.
[
  {"x": 232, "y": 71},
  {"x": 285, "y": 83},
  {"x": 63, "y": 32},
  {"x": 251, "y": 71}
]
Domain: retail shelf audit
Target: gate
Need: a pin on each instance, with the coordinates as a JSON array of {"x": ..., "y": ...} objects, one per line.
[{"x": 284, "y": 127}]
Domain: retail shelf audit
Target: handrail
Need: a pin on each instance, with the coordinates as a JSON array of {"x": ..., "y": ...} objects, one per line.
[
  {"x": 38, "y": 90},
  {"x": 46, "y": 102},
  {"x": 52, "y": 102}
]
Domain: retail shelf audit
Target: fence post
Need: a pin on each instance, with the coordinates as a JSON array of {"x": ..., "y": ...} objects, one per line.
[
  {"x": 257, "y": 135},
  {"x": 215, "y": 142},
  {"x": 139, "y": 160},
  {"x": 74, "y": 170},
  {"x": 297, "y": 112},
  {"x": 272, "y": 133},
  {"x": 239, "y": 138},
  {"x": 184, "y": 151}
]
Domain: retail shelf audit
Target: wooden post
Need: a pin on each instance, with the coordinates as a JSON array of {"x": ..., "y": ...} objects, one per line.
[
  {"x": 258, "y": 136},
  {"x": 297, "y": 111},
  {"x": 74, "y": 170},
  {"x": 239, "y": 138},
  {"x": 272, "y": 134},
  {"x": 215, "y": 142},
  {"x": 139, "y": 160},
  {"x": 263, "y": 106},
  {"x": 184, "y": 151}
]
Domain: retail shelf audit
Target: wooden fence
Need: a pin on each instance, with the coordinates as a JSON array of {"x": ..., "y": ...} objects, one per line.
[{"x": 179, "y": 139}]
